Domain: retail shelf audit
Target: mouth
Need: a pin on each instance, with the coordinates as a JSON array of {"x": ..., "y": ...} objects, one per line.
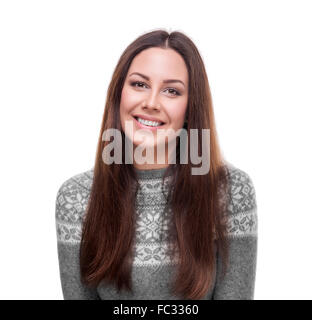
[{"x": 147, "y": 123}]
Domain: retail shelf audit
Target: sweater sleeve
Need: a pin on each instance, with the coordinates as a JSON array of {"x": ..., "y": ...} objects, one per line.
[
  {"x": 239, "y": 281},
  {"x": 70, "y": 205}
]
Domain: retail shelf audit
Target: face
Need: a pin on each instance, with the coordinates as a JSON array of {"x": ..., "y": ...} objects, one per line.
[{"x": 146, "y": 95}]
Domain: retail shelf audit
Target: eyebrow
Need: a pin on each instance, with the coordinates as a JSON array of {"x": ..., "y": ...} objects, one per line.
[{"x": 164, "y": 81}]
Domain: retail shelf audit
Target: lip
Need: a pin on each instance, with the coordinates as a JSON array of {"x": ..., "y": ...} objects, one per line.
[
  {"x": 142, "y": 126},
  {"x": 148, "y": 118}
]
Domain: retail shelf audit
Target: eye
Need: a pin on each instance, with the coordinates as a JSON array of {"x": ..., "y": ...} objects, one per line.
[
  {"x": 173, "y": 92},
  {"x": 176, "y": 93},
  {"x": 133, "y": 84}
]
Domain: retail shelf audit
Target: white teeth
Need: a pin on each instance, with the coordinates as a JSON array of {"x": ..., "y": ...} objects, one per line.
[{"x": 149, "y": 123}]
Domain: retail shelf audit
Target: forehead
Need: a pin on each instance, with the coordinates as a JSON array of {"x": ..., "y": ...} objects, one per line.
[{"x": 158, "y": 63}]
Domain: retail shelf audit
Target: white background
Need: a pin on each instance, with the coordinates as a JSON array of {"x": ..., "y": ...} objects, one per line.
[{"x": 56, "y": 62}]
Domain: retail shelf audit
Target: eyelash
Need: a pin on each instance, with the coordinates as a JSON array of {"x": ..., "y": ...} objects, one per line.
[{"x": 177, "y": 93}]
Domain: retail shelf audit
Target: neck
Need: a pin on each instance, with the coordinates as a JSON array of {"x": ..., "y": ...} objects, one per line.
[{"x": 150, "y": 155}]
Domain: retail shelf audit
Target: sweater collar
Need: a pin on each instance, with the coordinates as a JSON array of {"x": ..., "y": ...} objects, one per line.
[{"x": 150, "y": 173}]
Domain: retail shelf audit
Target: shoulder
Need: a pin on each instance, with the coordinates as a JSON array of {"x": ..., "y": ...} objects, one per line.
[
  {"x": 71, "y": 202},
  {"x": 242, "y": 206}
]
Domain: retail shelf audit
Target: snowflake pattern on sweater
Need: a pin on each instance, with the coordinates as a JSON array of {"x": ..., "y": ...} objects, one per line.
[{"x": 153, "y": 218}]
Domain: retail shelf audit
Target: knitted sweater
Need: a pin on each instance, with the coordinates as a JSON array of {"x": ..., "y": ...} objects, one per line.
[{"x": 152, "y": 269}]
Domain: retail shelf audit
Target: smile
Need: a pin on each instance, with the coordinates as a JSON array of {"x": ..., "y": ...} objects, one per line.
[{"x": 148, "y": 123}]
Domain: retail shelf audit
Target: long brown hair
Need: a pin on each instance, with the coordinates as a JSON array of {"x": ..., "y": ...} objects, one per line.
[{"x": 198, "y": 202}]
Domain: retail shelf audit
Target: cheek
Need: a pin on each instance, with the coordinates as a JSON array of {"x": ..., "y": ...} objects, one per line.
[
  {"x": 128, "y": 98},
  {"x": 177, "y": 114},
  {"x": 125, "y": 104}
]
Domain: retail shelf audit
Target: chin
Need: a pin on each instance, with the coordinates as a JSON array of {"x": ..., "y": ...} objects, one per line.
[{"x": 143, "y": 145}]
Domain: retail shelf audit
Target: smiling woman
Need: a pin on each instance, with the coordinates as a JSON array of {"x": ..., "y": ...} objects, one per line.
[
  {"x": 149, "y": 102},
  {"x": 157, "y": 231}
]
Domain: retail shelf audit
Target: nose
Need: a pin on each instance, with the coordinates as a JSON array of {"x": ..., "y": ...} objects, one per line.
[
  {"x": 151, "y": 102},
  {"x": 150, "y": 107}
]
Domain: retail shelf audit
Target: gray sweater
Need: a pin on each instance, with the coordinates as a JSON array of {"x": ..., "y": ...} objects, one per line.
[{"x": 152, "y": 269}]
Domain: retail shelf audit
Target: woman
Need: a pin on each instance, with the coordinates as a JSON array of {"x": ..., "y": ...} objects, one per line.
[{"x": 155, "y": 230}]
